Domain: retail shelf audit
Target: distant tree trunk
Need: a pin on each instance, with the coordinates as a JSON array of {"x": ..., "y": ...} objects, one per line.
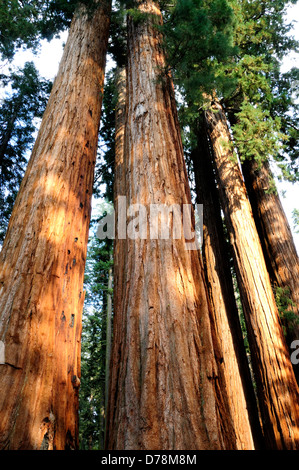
[
  {"x": 164, "y": 388},
  {"x": 119, "y": 189},
  {"x": 276, "y": 385},
  {"x": 276, "y": 239},
  {"x": 101, "y": 442},
  {"x": 215, "y": 252},
  {"x": 108, "y": 333},
  {"x": 44, "y": 252}
]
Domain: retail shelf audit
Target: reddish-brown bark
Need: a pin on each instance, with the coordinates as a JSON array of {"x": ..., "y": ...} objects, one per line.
[
  {"x": 277, "y": 241},
  {"x": 43, "y": 255},
  {"x": 276, "y": 384},
  {"x": 165, "y": 389},
  {"x": 216, "y": 252}
]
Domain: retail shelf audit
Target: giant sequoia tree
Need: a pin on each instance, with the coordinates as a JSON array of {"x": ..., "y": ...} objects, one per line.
[
  {"x": 276, "y": 385},
  {"x": 264, "y": 116},
  {"x": 167, "y": 389},
  {"x": 44, "y": 251},
  {"x": 277, "y": 242},
  {"x": 216, "y": 259},
  {"x": 247, "y": 93},
  {"x": 179, "y": 377}
]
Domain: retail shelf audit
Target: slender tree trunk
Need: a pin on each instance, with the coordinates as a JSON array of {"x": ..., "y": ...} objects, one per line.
[
  {"x": 164, "y": 388},
  {"x": 119, "y": 189},
  {"x": 44, "y": 252},
  {"x": 276, "y": 385},
  {"x": 108, "y": 333},
  {"x": 276, "y": 239},
  {"x": 216, "y": 262},
  {"x": 102, "y": 423}
]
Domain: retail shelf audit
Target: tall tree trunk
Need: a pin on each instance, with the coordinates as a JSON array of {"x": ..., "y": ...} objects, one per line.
[
  {"x": 215, "y": 252},
  {"x": 276, "y": 238},
  {"x": 164, "y": 388},
  {"x": 8, "y": 133},
  {"x": 44, "y": 252},
  {"x": 276, "y": 384},
  {"x": 108, "y": 333},
  {"x": 119, "y": 189}
]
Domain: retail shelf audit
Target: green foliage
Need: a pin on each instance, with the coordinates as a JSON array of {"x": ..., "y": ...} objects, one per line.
[
  {"x": 24, "y": 101},
  {"x": 262, "y": 29},
  {"x": 198, "y": 35},
  {"x": 295, "y": 215},
  {"x": 97, "y": 266},
  {"x": 117, "y": 47},
  {"x": 137, "y": 16},
  {"x": 17, "y": 25},
  {"x": 104, "y": 172},
  {"x": 93, "y": 357},
  {"x": 26, "y": 22},
  {"x": 284, "y": 304},
  {"x": 285, "y": 105},
  {"x": 264, "y": 95},
  {"x": 255, "y": 131},
  {"x": 234, "y": 49}
]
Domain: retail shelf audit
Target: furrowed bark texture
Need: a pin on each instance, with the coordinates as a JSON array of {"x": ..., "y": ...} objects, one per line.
[
  {"x": 119, "y": 189},
  {"x": 276, "y": 238},
  {"x": 164, "y": 389},
  {"x": 43, "y": 256},
  {"x": 215, "y": 252},
  {"x": 276, "y": 384}
]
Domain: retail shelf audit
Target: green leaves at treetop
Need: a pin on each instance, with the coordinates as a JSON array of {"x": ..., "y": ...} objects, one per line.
[
  {"x": 262, "y": 28},
  {"x": 256, "y": 131},
  {"x": 26, "y": 22},
  {"x": 93, "y": 357},
  {"x": 198, "y": 36},
  {"x": 263, "y": 112},
  {"x": 234, "y": 49}
]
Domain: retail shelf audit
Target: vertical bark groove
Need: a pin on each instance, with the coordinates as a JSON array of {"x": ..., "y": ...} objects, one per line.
[
  {"x": 276, "y": 239},
  {"x": 164, "y": 391},
  {"x": 221, "y": 293},
  {"x": 41, "y": 286}
]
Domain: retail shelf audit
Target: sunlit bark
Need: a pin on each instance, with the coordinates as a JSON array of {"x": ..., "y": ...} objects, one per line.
[
  {"x": 44, "y": 252},
  {"x": 277, "y": 241},
  {"x": 215, "y": 252},
  {"x": 276, "y": 384}
]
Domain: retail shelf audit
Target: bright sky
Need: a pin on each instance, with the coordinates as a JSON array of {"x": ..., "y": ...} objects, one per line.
[{"x": 47, "y": 62}]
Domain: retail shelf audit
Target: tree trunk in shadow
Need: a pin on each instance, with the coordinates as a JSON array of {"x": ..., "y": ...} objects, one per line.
[
  {"x": 215, "y": 252},
  {"x": 44, "y": 253}
]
